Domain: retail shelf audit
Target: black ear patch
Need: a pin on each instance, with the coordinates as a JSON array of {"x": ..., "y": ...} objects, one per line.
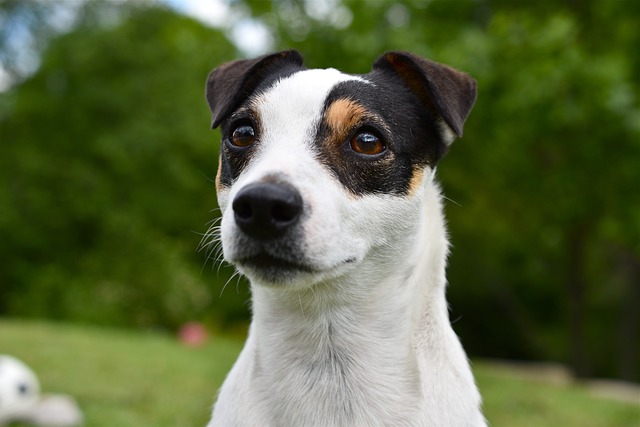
[
  {"x": 231, "y": 83},
  {"x": 446, "y": 92}
]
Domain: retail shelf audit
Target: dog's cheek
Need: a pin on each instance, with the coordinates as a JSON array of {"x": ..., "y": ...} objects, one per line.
[
  {"x": 228, "y": 237},
  {"x": 222, "y": 186},
  {"x": 225, "y": 176},
  {"x": 378, "y": 218},
  {"x": 223, "y": 199},
  {"x": 219, "y": 186},
  {"x": 391, "y": 173},
  {"x": 328, "y": 239},
  {"x": 232, "y": 164},
  {"x": 363, "y": 177}
]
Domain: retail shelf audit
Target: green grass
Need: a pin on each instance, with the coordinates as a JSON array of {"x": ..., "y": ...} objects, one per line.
[
  {"x": 123, "y": 378},
  {"x": 133, "y": 379},
  {"x": 513, "y": 401}
]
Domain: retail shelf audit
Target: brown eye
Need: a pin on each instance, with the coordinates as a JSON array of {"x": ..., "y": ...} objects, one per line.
[
  {"x": 243, "y": 136},
  {"x": 367, "y": 143}
]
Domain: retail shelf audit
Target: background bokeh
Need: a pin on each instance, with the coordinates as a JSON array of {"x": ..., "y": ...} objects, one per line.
[{"x": 107, "y": 162}]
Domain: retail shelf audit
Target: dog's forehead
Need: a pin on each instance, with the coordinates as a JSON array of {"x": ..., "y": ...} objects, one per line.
[{"x": 300, "y": 96}]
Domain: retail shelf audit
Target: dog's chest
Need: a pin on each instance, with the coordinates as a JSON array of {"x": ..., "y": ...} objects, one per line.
[{"x": 338, "y": 375}]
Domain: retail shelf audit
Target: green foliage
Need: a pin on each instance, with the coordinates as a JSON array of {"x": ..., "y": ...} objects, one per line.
[
  {"x": 107, "y": 164},
  {"x": 107, "y": 160},
  {"x": 557, "y": 177}
]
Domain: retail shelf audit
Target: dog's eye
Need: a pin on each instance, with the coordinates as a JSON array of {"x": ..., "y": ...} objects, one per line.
[
  {"x": 243, "y": 136},
  {"x": 367, "y": 143}
]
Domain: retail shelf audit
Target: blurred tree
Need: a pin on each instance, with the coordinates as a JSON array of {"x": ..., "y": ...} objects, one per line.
[
  {"x": 24, "y": 28},
  {"x": 105, "y": 161},
  {"x": 550, "y": 181},
  {"x": 104, "y": 168},
  {"x": 27, "y": 26}
]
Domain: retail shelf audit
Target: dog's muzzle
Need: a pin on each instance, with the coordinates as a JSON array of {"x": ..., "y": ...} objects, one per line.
[{"x": 266, "y": 211}]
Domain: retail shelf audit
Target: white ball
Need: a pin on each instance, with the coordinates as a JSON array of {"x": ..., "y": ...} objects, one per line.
[{"x": 19, "y": 389}]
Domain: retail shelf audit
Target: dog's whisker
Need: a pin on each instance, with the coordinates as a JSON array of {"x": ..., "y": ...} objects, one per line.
[
  {"x": 302, "y": 308},
  {"x": 212, "y": 245},
  {"x": 235, "y": 274},
  {"x": 215, "y": 220},
  {"x": 211, "y": 235},
  {"x": 238, "y": 281},
  {"x": 451, "y": 200},
  {"x": 219, "y": 258},
  {"x": 207, "y": 177}
]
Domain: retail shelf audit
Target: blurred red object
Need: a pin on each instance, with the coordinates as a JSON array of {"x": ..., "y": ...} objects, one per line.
[{"x": 193, "y": 334}]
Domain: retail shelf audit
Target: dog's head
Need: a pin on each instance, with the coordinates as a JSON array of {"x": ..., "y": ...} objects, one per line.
[{"x": 321, "y": 171}]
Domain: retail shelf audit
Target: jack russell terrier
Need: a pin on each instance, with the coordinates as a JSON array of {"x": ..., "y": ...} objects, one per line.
[{"x": 331, "y": 209}]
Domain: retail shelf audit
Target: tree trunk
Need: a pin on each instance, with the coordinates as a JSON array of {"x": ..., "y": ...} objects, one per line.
[
  {"x": 628, "y": 268},
  {"x": 576, "y": 290}
]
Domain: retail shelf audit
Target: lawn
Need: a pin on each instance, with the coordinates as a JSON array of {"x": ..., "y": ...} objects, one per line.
[{"x": 134, "y": 379}]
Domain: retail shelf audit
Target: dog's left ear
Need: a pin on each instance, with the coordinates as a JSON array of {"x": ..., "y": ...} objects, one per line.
[
  {"x": 231, "y": 83},
  {"x": 446, "y": 92}
]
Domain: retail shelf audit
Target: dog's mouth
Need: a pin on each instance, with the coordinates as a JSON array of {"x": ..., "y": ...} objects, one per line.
[
  {"x": 265, "y": 261},
  {"x": 274, "y": 269}
]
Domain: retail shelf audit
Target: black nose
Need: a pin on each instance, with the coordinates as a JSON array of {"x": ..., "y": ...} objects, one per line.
[{"x": 266, "y": 210}]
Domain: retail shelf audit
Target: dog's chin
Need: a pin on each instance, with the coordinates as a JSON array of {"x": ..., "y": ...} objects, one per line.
[{"x": 271, "y": 271}]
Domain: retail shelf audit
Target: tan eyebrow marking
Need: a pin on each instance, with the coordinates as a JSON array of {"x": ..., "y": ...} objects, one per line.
[
  {"x": 415, "y": 184},
  {"x": 219, "y": 185},
  {"x": 343, "y": 115}
]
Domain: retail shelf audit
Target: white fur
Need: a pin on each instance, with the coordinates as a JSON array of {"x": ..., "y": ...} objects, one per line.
[{"x": 361, "y": 343}]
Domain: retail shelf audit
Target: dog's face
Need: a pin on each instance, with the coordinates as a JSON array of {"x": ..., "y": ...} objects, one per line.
[{"x": 321, "y": 172}]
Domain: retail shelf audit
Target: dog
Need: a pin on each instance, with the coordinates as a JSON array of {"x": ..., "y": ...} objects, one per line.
[{"x": 331, "y": 209}]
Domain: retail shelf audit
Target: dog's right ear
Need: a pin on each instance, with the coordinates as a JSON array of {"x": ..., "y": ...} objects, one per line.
[
  {"x": 231, "y": 83},
  {"x": 446, "y": 92}
]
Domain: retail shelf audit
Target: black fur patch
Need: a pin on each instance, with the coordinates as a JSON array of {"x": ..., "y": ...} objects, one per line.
[
  {"x": 396, "y": 115},
  {"x": 233, "y": 160}
]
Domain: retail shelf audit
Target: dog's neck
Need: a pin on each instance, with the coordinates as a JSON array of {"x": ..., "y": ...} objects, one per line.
[
  {"x": 353, "y": 354},
  {"x": 320, "y": 319},
  {"x": 360, "y": 338}
]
